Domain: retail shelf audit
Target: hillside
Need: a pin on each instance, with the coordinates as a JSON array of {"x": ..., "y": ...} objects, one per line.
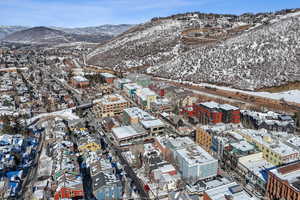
[
  {"x": 44, "y": 35},
  {"x": 247, "y": 51},
  {"x": 107, "y": 29},
  {"x": 6, "y": 30}
]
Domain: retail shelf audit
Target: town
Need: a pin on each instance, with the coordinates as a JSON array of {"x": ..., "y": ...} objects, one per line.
[{"x": 69, "y": 130}]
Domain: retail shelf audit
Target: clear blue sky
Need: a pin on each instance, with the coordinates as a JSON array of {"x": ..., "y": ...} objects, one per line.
[{"x": 79, "y": 13}]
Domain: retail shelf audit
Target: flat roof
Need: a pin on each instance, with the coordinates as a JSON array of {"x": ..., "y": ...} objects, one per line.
[
  {"x": 111, "y": 99},
  {"x": 152, "y": 123},
  {"x": 195, "y": 155},
  {"x": 232, "y": 189},
  {"x": 107, "y": 75},
  {"x": 126, "y": 132},
  {"x": 137, "y": 112},
  {"x": 79, "y": 78},
  {"x": 289, "y": 173}
]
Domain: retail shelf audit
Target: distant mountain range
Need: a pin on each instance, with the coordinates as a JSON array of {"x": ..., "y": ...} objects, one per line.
[
  {"x": 56, "y": 35},
  {"x": 248, "y": 51}
]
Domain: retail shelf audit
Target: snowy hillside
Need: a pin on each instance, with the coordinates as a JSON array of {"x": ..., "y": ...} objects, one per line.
[
  {"x": 44, "y": 35},
  {"x": 247, "y": 51}
]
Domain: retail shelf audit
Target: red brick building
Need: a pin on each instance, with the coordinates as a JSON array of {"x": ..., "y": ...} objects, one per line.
[
  {"x": 68, "y": 193},
  {"x": 107, "y": 77},
  {"x": 213, "y": 113},
  {"x": 284, "y": 182},
  {"x": 80, "y": 81}
]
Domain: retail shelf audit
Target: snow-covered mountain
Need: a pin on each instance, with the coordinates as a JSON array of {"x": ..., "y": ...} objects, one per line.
[
  {"x": 6, "y": 30},
  {"x": 44, "y": 35},
  {"x": 247, "y": 51},
  {"x": 97, "y": 32},
  {"x": 107, "y": 29}
]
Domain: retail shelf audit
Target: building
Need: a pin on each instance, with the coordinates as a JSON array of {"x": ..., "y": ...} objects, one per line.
[
  {"x": 253, "y": 167},
  {"x": 110, "y": 105},
  {"x": 107, "y": 77},
  {"x": 106, "y": 186},
  {"x": 128, "y": 133},
  {"x": 208, "y": 113},
  {"x": 141, "y": 79},
  {"x": 267, "y": 120},
  {"x": 145, "y": 97},
  {"x": 134, "y": 115},
  {"x": 204, "y": 139},
  {"x": 213, "y": 113},
  {"x": 130, "y": 89},
  {"x": 193, "y": 162},
  {"x": 230, "y": 191},
  {"x": 119, "y": 83},
  {"x": 153, "y": 126},
  {"x": 196, "y": 164},
  {"x": 79, "y": 81},
  {"x": 274, "y": 150},
  {"x": 284, "y": 183}
]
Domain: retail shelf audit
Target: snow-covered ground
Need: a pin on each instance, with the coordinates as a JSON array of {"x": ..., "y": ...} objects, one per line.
[{"x": 291, "y": 95}]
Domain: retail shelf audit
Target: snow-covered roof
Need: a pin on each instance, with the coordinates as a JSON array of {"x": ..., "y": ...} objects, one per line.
[
  {"x": 80, "y": 79},
  {"x": 107, "y": 75},
  {"x": 126, "y": 132},
  {"x": 152, "y": 123}
]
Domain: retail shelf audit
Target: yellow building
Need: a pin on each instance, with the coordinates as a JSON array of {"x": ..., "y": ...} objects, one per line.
[
  {"x": 274, "y": 151},
  {"x": 204, "y": 139},
  {"x": 91, "y": 146}
]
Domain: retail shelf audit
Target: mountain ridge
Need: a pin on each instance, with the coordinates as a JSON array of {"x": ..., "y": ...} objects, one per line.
[{"x": 193, "y": 47}]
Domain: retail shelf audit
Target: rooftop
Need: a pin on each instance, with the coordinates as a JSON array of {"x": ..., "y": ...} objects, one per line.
[
  {"x": 289, "y": 173},
  {"x": 137, "y": 112},
  {"x": 195, "y": 155},
  {"x": 79, "y": 78},
  {"x": 126, "y": 132},
  {"x": 214, "y": 105},
  {"x": 111, "y": 99},
  {"x": 229, "y": 190},
  {"x": 107, "y": 75},
  {"x": 152, "y": 123}
]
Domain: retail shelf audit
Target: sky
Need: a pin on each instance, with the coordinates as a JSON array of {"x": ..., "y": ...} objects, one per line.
[{"x": 82, "y": 13}]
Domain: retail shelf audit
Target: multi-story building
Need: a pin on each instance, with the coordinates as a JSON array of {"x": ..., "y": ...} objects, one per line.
[
  {"x": 110, "y": 105},
  {"x": 274, "y": 150},
  {"x": 119, "y": 83},
  {"x": 204, "y": 139},
  {"x": 254, "y": 168},
  {"x": 145, "y": 97},
  {"x": 79, "y": 81},
  {"x": 227, "y": 192},
  {"x": 194, "y": 163},
  {"x": 136, "y": 115},
  {"x": 213, "y": 113},
  {"x": 107, "y": 77},
  {"x": 130, "y": 89},
  {"x": 128, "y": 133},
  {"x": 284, "y": 183},
  {"x": 107, "y": 186}
]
